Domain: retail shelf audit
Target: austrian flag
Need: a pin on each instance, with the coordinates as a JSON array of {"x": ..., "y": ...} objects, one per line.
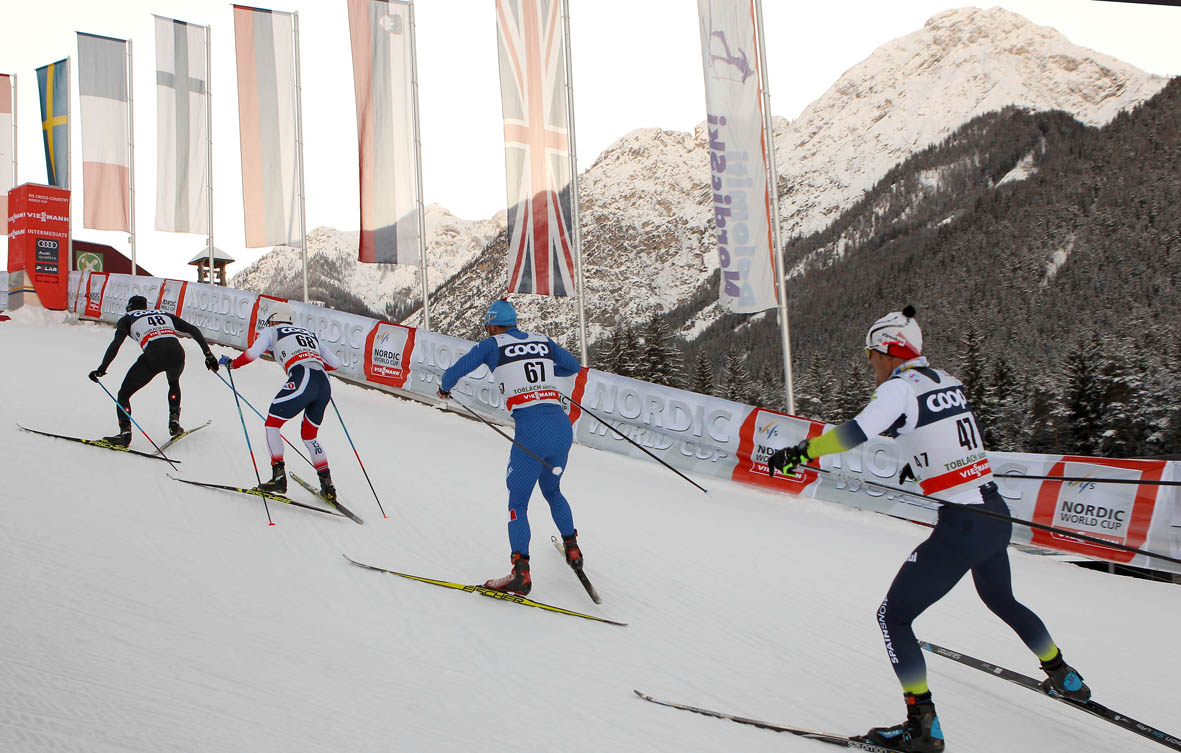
[{"x": 533, "y": 79}]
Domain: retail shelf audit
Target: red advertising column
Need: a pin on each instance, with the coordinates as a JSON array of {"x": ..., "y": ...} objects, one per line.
[{"x": 39, "y": 240}]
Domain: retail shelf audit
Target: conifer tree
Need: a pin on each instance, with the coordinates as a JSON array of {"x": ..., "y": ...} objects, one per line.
[
  {"x": 1082, "y": 401},
  {"x": 736, "y": 383},
  {"x": 703, "y": 375},
  {"x": 662, "y": 361}
]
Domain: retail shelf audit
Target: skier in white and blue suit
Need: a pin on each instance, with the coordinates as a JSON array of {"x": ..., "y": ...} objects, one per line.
[{"x": 524, "y": 366}]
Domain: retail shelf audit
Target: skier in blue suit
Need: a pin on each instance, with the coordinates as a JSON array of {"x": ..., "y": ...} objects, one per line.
[{"x": 524, "y": 366}]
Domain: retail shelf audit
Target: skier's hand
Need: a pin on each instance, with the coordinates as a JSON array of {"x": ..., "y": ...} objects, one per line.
[
  {"x": 443, "y": 395},
  {"x": 226, "y": 361},
  {"x": 907, "y": 474},
  {"x": 211, "y": 362},
  {"x": 94, "y": 375},
  {"x": 787, "y": 459}
]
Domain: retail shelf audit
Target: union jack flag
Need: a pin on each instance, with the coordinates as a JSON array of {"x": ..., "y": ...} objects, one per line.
[{"x": 537, "y": 146}]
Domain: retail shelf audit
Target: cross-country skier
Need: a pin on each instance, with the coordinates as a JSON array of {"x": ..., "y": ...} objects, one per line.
[
  {"x": 926, "y": 411},
  {"x": 307, "y": 389},
  {"x": 524, "y": 366},
  {"x": 156, "y": 332}
]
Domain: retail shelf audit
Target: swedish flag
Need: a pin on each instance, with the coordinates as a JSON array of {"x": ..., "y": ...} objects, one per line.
[{"x": 53, "y": 81}]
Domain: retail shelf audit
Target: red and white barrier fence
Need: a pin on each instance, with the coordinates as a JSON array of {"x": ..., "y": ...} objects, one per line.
[{"x": 692, "y": 432}]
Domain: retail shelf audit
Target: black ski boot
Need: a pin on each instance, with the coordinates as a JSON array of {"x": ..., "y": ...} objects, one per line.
[
  {"x": 327, "y": 490},
  {"x": 517, "y": 581},
  {"x": 573, "y": 553},
  {"x": 174, "y": 427},
  {"x": 122, "y": 439},
  {"x": 920, "y": 733},
  {"x": 278, "y": 482},
  {"x": 1064, "y": 680}
]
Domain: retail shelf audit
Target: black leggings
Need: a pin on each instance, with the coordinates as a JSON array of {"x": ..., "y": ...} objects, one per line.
[
  {"x": 164, "y": 355},
  {"x": 962, "y": 540}
]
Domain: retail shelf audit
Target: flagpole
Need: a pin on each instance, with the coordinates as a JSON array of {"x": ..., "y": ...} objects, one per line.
[
  {"x": 15, "y": 140},
  {"x": 69, "y": 170},
  {"x": 426, "y": 296},
  {"x": 773, "y": 191},
  {"x": 303, "y": 235},
  {"x": 131, "y": 153},
  {"x": 208, "y": 146},
  {"x": 573, "y": 155}
]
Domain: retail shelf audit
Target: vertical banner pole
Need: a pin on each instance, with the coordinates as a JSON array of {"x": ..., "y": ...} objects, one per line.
[
  {"x": 773, "y": 195},
  {"x": 209, "y": 149},
  {"x": 303, "y": 234},
  {"x": 69, "y": 164},
  {"x": 15, "y": 142},
  {"x": 426, "y": 302},
  {"x": 574, "y": 220},
  {"x": 131, "y": 155}
]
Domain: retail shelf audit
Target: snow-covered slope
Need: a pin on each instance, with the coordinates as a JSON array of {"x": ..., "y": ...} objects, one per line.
[
  {"x": 139, "y": 614},
  {"x": 451, "y": 243}
]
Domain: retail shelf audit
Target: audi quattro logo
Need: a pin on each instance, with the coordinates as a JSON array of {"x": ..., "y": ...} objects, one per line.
[
  {"x": 529, "y": 349},
  {"x": 946, "y": 399},
  {"x": 43, "y": 243}
]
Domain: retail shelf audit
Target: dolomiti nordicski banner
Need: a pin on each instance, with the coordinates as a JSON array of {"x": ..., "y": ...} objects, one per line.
[
  {"x": 53, "y": 84},
  {"x": 182, "y": 134},
  {"x": 7, "y": 152},
  {"x": 106, "y": 149},
  {"x": 533, "y": 80},
  {"x": 382, "y": 65},
  {"x": 738, "y": 156},
  {"x": 265, "y": 46}
]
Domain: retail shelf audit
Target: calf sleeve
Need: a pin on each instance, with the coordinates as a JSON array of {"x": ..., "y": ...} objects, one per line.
[{"x": 274, "y": 438}]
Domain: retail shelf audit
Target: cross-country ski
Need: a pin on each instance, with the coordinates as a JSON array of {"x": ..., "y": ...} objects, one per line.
[
  {"x": 333, "y": 503},
  {"x": 177, "y": 437},
  {"x": 256, "y": 492},
  {"x": 100, "y": 443}
]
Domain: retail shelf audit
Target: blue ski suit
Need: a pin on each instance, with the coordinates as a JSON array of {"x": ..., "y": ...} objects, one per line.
[{"x": 523, "y": 365}]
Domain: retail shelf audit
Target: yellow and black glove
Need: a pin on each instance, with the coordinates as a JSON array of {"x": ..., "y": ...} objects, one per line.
[{"x": 787, "y": 459}]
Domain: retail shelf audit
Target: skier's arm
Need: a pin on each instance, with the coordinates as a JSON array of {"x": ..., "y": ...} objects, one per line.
[
  {"x": 888, "y": 405},
  {"x": 261, "y": 345},
  {"x": 565, "y": 364},
  {"x": 485, "y": 353},
  {"x": 122, "y": 329},
  {"x": 182, "y": 326},
  {"x": 331, "y": 362}
]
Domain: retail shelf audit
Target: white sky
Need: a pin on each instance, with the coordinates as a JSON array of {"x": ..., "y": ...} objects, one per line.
[{"x": 636, "y": 63}]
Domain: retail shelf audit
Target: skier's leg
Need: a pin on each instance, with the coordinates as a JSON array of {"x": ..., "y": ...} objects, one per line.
[
  {"x": 140, "y": 373},
  {"x": 319, "y": 392},
  {"x": 523, "y": 470},
  {"x": 556, "y": 450}
]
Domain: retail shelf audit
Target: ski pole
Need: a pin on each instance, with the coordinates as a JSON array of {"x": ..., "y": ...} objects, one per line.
[
  {"x": 346, "y": 433},
  {"x": 265, "y": 504},
  {"x": 141, "y": 429},
  {"x": 556, "y": 469},
  {"x": 1091, "y": 480},
  {"x": 264, "y": 418},
  {"x": 999, "y": 516},
  {"x": 629, "y": 439}
]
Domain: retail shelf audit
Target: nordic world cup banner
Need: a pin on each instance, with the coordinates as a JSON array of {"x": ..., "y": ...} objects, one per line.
[
  {"x": 533, "y": 80},
  {"x": 382, "y": 64},
  {"x": 738, "y": 156}
]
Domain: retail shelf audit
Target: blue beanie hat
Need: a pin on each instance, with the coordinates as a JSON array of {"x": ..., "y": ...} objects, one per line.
[{"x": 501, "y": 313}]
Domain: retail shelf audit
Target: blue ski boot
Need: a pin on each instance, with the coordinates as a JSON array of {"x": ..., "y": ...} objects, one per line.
[
  {"x": 1064, "y": 680},
  {"x": 920, "y": 733}
]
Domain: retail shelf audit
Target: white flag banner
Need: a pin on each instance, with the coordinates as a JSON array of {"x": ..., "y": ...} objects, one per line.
[
  {"x": 182, "y": 135},
  {"x": 264, "y": 43},
  {"x": 106, "y": 151},
  {"x": 7, "y": 150},
  {"x": 382, "y": 65},
  {"x": 738, "y": 154}
]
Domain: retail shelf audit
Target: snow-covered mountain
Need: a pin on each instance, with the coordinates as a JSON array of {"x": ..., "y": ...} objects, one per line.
[
  {"x": 646, "y": 220},
  {"x": 451, "y": 243}
]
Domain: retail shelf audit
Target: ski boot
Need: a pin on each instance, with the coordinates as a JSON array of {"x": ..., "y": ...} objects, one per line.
[
  {"x": 327, "y": 490},
  {"x": 122, "y": 439},
  {"x": 1064, "y": 680},
  {"x": 573, "y": 553},
  {"x": 174, "y": 427},
  {"x": 920, "y": 733},
  {"x": 516, "y": 582},
  {"x": 278, "y": 482}
]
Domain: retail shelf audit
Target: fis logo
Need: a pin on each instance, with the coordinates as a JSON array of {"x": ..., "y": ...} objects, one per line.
[{"x": 769, "y": 431}]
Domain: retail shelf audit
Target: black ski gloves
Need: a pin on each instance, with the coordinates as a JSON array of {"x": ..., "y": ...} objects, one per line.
[
  {"x": 211, "y": 362},
  {"x": 786, "y": 459},
  {"x": 94, "y": 375}
]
